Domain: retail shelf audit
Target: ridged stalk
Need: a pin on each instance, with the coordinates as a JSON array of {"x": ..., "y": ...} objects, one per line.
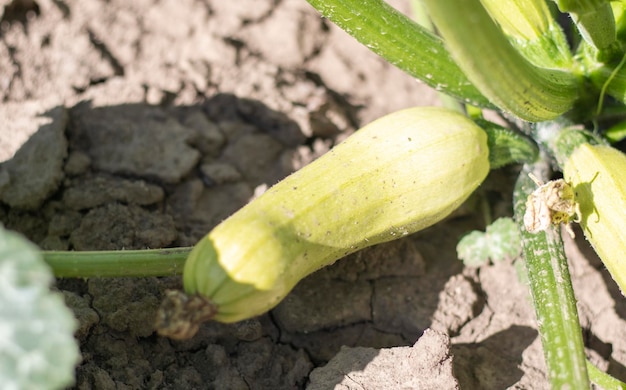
[
  {"x": 493, "y": 65},
  {"x": 147, "y": 262},
  {"x": 553, "y": 296},
  {"x": 403, "y": 43}
]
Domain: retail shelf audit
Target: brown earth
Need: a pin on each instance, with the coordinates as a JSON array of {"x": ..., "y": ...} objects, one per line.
[{"x": 143, "y": 124}]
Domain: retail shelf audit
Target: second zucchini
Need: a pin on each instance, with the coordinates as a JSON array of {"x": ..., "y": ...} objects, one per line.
[{"x": 399, "y": 174}]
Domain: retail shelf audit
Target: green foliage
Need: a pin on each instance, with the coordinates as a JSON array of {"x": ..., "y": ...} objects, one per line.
[
  {"x": 507, "y": 147},
  {"x": 616, "y": 133},
  {"x": 37, "y": 347},
  {"x": 500, "y": 241}
]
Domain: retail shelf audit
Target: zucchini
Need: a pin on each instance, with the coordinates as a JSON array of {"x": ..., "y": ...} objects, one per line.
[
  {"x": 598, "y": 175},
  {"x": 400, "y": 174}
]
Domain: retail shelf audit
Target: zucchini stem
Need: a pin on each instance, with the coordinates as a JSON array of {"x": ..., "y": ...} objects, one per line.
[
  {"x": 131, "y": 263},
  {"x": 552, "y": 292}
]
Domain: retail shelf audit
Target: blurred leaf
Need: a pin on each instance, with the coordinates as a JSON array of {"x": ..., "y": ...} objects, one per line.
[
  {"x": 499, "y": 242},
  {"x": 473, "y": 249},
  {"x": 616, "y": 133},
  {"x": 38, "y": 346},
  {"x": 503, "y": 240}
]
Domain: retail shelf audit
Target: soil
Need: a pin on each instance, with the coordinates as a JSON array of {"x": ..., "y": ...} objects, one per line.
[{"x": 130, "y": 125}]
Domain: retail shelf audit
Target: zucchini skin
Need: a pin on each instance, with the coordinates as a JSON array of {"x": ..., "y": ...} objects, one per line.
[
  {"x": 598, "y": 175},
  {"x": 398, "y": 175}
]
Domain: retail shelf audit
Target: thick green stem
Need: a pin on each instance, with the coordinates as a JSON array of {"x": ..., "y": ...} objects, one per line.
[
  {"x": 500, "y": 72},
  {"x": 560, "y": 138},
  {"x": 402, "y": 42},
  {"x": 553, "y": 296},
  {"x": 420, "y": 15},
  {"x": 135, "y": 263}
]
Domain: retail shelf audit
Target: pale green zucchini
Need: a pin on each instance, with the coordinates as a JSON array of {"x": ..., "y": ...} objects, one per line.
[
  {"x": 598, "y": 175},
  {"x": 397, "y": 175}
]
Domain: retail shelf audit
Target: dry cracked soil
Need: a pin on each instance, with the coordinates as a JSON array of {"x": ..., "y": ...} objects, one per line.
[{"x": 143, "y": 124}]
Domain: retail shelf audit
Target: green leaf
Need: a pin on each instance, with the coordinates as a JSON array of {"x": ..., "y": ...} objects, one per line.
[
  {"x": 507, "y": 147},
  {"x": 616, "y": 133},
  {"x": 504, "y": 239},
  {"x": 473, "y": 250},
  {"x": 499, "y": 242},
  {"x": 37, "y": 343}
]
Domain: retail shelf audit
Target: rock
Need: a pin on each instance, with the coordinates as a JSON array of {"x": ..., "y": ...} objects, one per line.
[
  {"x": 64, "y": 222},
  {"x": 220, "y": 173},
  {"x": 36, "y": 170},
  {"x": 137, "y": 140},
  {"x": 114, "y": 226},
  {"x": 265, "y": 365},
  {"x": 256, "y": 156},
  {"x": 95, "y": 191},
  {"x": 77, "y": 163},
  {"x": 208, "y": 138},
  {"x": 87, "y": 317},
  {"x": 271, "y": 122},
  {"x": 317, "y": 303},
  {"x": 224, "y": 107},
  {"x": 425, "y": 365},
  {"x": 125, "y": 304}
]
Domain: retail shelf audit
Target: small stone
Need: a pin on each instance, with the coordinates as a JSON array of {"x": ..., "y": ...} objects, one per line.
[
  {"x": 96, "y": 191},
  {"x": 86, "y": 316},
  {"x": 208, "y": 138},
  {"x": 220, "y": 173},
  {"x": 275, "y": 123},
  {"x": 63, "y": 223},
  {"x": 115, "y": 226},
  {"x": 137, "y": 140},
  {"x": 54, "y": 243},
  {"x": 77, "y": 163},
  {"x": 307, "y": 308},
  {"x": 256, "y": 156},
  {"x": 36, "y": 170}
]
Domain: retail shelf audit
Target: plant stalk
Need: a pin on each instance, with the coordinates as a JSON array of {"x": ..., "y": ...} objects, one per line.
[
  {"x": 130, "y": 263},
  {"x": 552, "y": 292},
  {"x": 402, "y": 42}
]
